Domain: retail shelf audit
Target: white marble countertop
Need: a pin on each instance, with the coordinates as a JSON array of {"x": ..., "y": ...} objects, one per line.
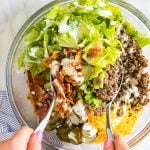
[{"x": 13, "y": 14}]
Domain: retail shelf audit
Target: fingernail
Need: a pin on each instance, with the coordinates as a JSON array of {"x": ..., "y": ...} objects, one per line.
[
  {"x": 39, "y": 135},
  {"x": 107, "y": 143}
]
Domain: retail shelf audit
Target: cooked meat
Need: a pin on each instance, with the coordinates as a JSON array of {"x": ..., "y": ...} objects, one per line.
[
  {"x": 135, "y": 85},
  {"x": 67, "y": 75},
  {"x": 120, "y": 112},
  {"x": 111, "y": 83},
  {"x": 144, "y": 80},
  {"x": 110, "y": 86}
]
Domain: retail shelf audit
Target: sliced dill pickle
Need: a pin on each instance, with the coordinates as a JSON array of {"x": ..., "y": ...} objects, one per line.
[
  {"x": 55, "y": 121},
  {"x": 75, "y": 135},
  {"x": 62, "y": 133}
]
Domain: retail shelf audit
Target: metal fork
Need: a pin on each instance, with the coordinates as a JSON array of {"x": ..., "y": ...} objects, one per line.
[
  {"x": 109, "y": 131},
  {"x": 44, "y": 122}
]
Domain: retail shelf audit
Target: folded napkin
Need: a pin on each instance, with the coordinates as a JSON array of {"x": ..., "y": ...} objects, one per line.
[{"x": 9, "y": 125}]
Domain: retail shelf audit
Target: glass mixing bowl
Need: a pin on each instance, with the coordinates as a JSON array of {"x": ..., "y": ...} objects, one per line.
[{"x": 17, "y": 87}]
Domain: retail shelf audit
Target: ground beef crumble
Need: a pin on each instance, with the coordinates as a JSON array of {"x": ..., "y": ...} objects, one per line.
[{"x": 135, "y": 85}]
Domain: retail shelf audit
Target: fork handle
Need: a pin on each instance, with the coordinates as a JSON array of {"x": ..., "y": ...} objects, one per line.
[
  {"x": 109, "y": 131},
  {"x": 42, "y": 125},
  {"x": 110, "y": 135},
  {"x": 44, "y": 122}
]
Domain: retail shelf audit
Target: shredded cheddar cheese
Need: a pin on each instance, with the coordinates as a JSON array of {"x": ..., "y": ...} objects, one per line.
[{"x": 125, "y": 125}]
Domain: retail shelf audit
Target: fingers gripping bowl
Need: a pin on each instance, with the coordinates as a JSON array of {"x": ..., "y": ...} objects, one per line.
[{"x": 81, "y": 44}]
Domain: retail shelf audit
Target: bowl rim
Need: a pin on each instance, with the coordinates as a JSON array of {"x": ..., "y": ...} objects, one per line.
[{"x": 31, "y": 20}]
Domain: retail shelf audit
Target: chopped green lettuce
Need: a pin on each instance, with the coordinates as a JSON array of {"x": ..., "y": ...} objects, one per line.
[
  {"x": 90, "y": 99},
  {"x": 31, "y": 36},
  {"x": 83, "y": 87},
  {"x": 32, "y": 62},
  {"x": 86, "y": 2},
  {"x": 47, "y": 85},
  {"x": 98, "y": 81},
  {"x": 79, "y": 96},
  {"x": 110, "y": 32},
  {"x": 20, "y": 61},
  {"x": 141, "y": 38},
  {"x": 34, "y": 67},
  {"x": 52, "y": 13},
  {"x": 45, "y": 44},
  {"x": 67, "y": 40},
  {"x": 54, "y": 47},
  {"x": 112, "y": 55}
]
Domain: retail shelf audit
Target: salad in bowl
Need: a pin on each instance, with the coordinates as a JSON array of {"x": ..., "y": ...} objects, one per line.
[{"x": 80, "y": 44}]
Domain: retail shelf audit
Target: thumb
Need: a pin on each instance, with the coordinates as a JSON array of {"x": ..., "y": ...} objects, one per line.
[
  {"x": 120, "y": 143},
  {"x": 108, "y": 145},
  {"x": 35, "y": 141}
]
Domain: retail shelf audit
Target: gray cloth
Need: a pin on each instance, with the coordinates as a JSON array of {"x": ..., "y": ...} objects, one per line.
[{"x": 8, "y": 122}]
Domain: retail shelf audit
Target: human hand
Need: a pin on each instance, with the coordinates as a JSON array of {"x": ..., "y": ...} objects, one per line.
[
  {"x": 119, "y": 143},
  {"x": 23, "y": 139}
]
